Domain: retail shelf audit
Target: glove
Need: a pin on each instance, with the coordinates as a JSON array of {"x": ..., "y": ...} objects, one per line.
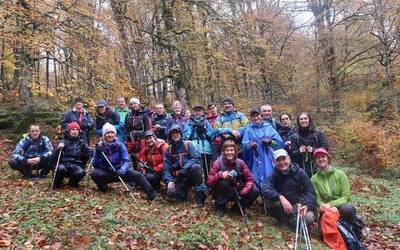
[
  {"x": 266, "y": 141},
  {"x": 200, "y": 129},
  {"x": 99, "y": 149},
  {"x": 253, "y": 145},
  {"x": 120, "y": 172}
]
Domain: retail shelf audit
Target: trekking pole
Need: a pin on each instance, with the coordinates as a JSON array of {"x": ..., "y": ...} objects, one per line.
[
  {"x": 234, "y": 174},
  {"x": 306, "y": 235},
  {"x": 90, "y": 166},
  {"x": 55, "y": 172},
  {"x": 297, "y": 227},
  {"x": 206, "y": 165},
  {"x": 119, "y": 177}
]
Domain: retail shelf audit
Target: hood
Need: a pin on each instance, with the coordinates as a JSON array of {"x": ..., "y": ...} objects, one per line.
[{"x": 174, "y": 127}]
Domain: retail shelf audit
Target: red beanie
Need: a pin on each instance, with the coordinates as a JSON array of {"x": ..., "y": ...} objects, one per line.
[{"x": 73, "y": 125}]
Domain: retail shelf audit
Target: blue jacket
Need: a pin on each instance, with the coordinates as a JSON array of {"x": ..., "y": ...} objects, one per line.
[
  {"x": 164, "y": 121},
  {"x": 260, "y": 161},
  {"x": 116, "y": 153},
  {"x": 273, "y": 123},
  {"x": 200, "y": 137},
  {"x": 29, "y": 148},
  {"x": 234, "y": 120},
  {"x": 179, "y": 155}
]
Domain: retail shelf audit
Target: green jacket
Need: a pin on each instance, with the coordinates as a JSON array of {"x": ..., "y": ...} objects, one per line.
[
  {"x": 122, "y": 113},
  {"x": 332, "y": 187}
]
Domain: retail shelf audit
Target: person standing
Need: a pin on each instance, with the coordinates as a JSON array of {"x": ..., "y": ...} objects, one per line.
[
  {"x": 122, "y": 110},
  {"x": 106, "y": 115},
  {"x": 160, "y": 120},
  {"x": 81, "y": 116},
  {"x": 267, "y": 116},
  {"x": 259, "y": 142}
]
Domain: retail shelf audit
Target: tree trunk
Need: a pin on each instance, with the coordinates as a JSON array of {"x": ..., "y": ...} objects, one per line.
[{"x": 47, "y": 74}]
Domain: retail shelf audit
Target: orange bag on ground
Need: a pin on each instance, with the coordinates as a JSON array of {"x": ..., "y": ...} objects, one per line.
[{"x": 330, "y": 232}]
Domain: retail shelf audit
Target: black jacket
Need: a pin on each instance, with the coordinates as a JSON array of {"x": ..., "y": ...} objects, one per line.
[
  {"x": 137, "y": 122},
  {"x": 295, "y": 186},
  {"x": 74, "y": 151},
  {"x": 109, "y": 116}
]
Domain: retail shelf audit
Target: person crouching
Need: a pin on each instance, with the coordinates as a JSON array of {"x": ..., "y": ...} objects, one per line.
[
  {"x": 74, "y": 155},
  {"x": 227, "y": 174},
  {"x": 117, "y": 154}
]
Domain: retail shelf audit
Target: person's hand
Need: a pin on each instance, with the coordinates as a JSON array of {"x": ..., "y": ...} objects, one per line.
[
  {"x": 30, "y": 161},
  {"x": 303, "y": 210},
  {"x": 322, "y": 207},
  {"x": 288, "y": 143},
  {"x": 99, "y": 149},
  {"x": 309, "y": 149},
  {"x": 236, "y": 134},
  {"x": 171, "y": 185},
  {"x": 302, "y": 149},
  {"x": 287, "y": 207},
  {"x": 157, "y": 126},
  {"x": 253, "y": 145},
  {"x": 225, "y": 175},
  {"x": 120, "y": 172},
  {"x": 266, "y": 141},
  {"x": 61, "y": 145},
  {"x": 35, "y": 160}
]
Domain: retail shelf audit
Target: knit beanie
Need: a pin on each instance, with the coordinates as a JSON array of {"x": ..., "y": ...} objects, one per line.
[
  {"x": 229, "y": 100},
  {"x": 72, "y": 125},
  {"x": 134, "y": 100},
  {"x": 107, "y": 127}
]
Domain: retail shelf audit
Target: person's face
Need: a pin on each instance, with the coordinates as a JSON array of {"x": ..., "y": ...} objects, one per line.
[
  {"x": 160, "y": 109},
  {"x": 229, "y": 153},
  {"x": 34, "y": 132},
  {"x": 109, "y": 136},
  {"x": 285, "y": 121},
  {"x": 101, "y": 109},
  {"x": 135, "y": 106},
  {"x": 79, "y": 105},
  {"x": 256, "y": 118},
  {"x": 282, "y": 163},
  {"x": 198, "y": 112},
  {"x": 150, "y": 141},
  {"x": 213, "y": 110},
  {"x": 228, "y": 106},
  {"x": 176, "y": 136},
  {"x": 266, "y": 112},
  {"x": 304, "y": 121},
  {"x": 121, "y": 103},
  {"x": 187, "y": 114},
  {"x": 322, "y": 161},
  {"x": 74, "y": 132},
  {"x": 177, "y": 109}
]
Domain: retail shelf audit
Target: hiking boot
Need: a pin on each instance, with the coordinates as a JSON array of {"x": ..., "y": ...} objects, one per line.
[
  {"x": 220, "y": 210},
  {"x": 152, "y": 196},
  {"x": 200, "y": 198}
]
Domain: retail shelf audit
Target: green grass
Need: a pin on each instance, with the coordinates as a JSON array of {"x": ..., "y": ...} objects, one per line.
[{"x": 87, "y": 219}]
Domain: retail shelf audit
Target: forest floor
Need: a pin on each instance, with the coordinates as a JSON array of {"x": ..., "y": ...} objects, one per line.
[{"x": 85, "y": 218}]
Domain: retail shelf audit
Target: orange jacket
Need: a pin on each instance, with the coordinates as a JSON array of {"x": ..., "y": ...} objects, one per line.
[{"x": 154, "y": 156}]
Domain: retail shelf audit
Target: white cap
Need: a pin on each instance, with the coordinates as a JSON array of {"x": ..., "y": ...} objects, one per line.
[
  {"x": 107, "y": 127},
  {"x": 280, "y": 152},
  {"x": 134, "y": 100}
]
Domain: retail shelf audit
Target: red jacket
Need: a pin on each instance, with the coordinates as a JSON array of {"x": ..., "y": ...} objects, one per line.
[
  {"x": 154, "y": 156},
  {"x": 245, "y": 180}
]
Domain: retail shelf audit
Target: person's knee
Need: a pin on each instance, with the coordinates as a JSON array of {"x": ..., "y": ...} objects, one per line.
[
  {"x": 80, "y": 173},
  {"x": 347, "y": 210},
  {"x": 309, "y": 217}
]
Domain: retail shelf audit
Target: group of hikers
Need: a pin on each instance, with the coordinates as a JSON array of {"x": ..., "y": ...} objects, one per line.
[{"x": 218, "y": 153}]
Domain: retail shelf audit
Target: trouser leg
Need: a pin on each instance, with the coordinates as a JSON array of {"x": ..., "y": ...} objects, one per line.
[
  {"x": 349, "y": 213},
  {"x": 249, "y": 198},
  {"x": 154, "y": 180},
  {"x": 76, "y": 174},
  {"x": 102, "y": 177},
  {"x": 179, "y": 192},
  {"x": 45, "y": 166},
  {"x": 24, "y": 168},
  {"x": 222, "y": 192},
  {"x": 140, "y": 180},
  {"x": 60, "y": 174}
]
